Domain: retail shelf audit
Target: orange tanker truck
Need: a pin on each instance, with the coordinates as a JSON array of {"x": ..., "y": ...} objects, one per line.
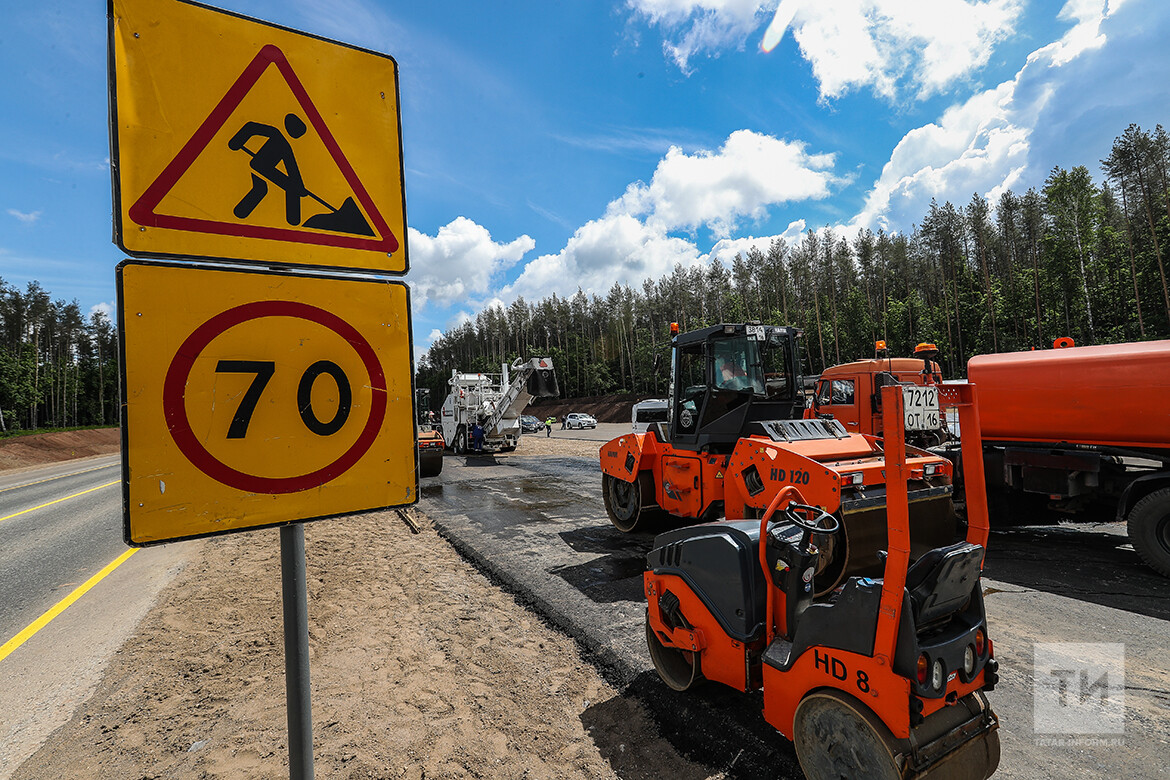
[
  {"x": 1084, "y": 431},
  {"x": 850, "y": 393}
]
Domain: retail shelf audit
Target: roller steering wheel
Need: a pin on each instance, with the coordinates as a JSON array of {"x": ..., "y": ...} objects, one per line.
[{"x": 799, "y": 515}]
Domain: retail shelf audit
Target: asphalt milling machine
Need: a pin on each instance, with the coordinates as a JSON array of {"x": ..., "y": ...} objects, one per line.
[
  {"x": 860, "y": 617},
  {"x": 495, "y": 402}
]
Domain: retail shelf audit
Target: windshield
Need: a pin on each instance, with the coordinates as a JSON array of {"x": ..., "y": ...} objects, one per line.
[
  {"x": 748, "y": 364},
  {"x": 737, "y": 365},
  {"x": 650, "y": 414}
]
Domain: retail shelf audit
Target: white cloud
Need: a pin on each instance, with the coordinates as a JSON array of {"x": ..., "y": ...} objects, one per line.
[
  {"x": 987, "y": 144},
  {"x": 460, "y": 261},
  {"x": 881, "y": 44},
  {"x": 972, "y": 148},
  {"x": 1085, "y": 34},
  {"x": 632, "y": 241},
  {"x": 105, "y": 308},
  {"x": 616, "y": 248},
  {"x": 701, "y": 25},
  {"x": 728, "y": 248},
  {"x": 27, "y": 217},
  {"x": 749, "y": 173}
]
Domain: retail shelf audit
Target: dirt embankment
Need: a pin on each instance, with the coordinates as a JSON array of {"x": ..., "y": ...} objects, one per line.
[
  {"x": 421, "y": 668},
  {"x": 23, "y": 451},
  {"x": 615, "y": 408}
]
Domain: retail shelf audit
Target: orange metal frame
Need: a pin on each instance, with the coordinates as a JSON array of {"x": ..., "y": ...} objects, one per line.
[
  {"x": 696, "y": 479},
  {"x": 724, "y": 660}
]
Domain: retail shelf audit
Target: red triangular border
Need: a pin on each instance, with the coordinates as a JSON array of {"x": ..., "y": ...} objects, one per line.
[{"x": 143, "y": 210}]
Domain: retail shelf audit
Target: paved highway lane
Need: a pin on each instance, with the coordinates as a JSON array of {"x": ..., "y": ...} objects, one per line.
[
  {"x": 60, "y": 526},
  {"x": 537, "y": 525}
]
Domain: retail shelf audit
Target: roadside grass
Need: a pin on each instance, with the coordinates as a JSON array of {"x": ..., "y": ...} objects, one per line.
[{"x": 37, "y": 431}]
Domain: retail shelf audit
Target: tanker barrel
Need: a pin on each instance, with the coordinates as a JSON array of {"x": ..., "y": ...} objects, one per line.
[{"x": 1101, "y": 395}]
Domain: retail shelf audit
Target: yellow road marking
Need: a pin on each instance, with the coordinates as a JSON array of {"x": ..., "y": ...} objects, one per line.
[
  {"x": 59, "y": 476},
  {"x": 18, "y": 640},
  {"x": 57, "y": 501}
]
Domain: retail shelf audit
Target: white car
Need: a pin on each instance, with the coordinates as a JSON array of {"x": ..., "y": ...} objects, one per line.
[{"x": 578, "y": 420}]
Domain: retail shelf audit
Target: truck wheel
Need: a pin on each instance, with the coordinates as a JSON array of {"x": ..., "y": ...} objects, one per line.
[
  {"x": 624, "y": 502},
  {"x": 1149, "y": 530},
  {"x": 460, "y": 443}
]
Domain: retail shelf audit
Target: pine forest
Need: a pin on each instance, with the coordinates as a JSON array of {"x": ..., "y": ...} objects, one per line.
[{"x": 1078, "y": 257}]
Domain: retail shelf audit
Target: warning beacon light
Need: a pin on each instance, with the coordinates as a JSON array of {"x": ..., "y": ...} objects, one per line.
[{"x": 926, "y": 350}]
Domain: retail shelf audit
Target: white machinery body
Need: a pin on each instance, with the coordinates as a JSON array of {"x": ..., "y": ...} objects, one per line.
[{"x": 496, "y": 401}]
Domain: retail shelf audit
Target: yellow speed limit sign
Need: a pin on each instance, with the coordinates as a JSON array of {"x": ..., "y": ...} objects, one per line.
[
  {"x": 255, "y": 399},
  {"x": 233, "y": 138}
]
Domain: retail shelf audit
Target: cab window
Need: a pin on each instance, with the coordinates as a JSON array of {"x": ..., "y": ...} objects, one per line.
[
  {"x": 738, "y": 366},
  {"x": 835, "y": 392},
  {"x": 775, "y": 369},
  {"x": 691, "y": 381}
]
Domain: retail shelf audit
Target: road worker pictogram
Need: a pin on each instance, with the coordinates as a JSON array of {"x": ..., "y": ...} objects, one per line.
[
  {"x": 274, "y": 152},
  {"x": 253, "y": 146}
]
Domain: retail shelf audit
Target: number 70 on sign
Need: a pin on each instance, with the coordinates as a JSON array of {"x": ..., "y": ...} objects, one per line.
[{"x": 256, "y": 399}]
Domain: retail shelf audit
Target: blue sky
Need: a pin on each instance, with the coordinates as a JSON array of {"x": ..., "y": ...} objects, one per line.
[{"x": 556, "y": 145}]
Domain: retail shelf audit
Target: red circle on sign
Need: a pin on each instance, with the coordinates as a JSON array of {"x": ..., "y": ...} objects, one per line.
[{"x": 175, "y": 385}]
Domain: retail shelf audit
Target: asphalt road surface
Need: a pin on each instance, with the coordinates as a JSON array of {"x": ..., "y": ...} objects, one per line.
[
  {"x": 60, "y": 526},
  {"x": 538, "y": 526}
]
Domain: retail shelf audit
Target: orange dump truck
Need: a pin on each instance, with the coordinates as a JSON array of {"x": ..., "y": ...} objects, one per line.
[{"x": 1081, "y": 430}]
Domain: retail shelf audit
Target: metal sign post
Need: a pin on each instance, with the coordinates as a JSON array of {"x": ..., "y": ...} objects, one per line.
[
  {"x": 268, "y": 397},
  {"x": 296, "y": 651}
]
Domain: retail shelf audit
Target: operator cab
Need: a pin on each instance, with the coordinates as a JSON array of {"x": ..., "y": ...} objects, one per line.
[{"x": 728, "y": 377}]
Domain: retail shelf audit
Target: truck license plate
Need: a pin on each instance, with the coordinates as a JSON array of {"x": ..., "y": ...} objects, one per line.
[{"x": 921, "y": 406}]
